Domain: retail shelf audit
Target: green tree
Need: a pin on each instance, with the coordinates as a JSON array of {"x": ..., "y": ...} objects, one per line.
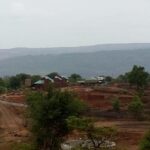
[
  {"x": 108, "y": 79},
  {"x": 116, "y": 104},
  {"x": 136, "y": 107},
  {"x": 14, "y": 82},
  {"x": 23, "y": 76},
  {"x": 145, "y": 143},
  {"x": 138, "y": 77},
  {"x": 2, "y": 89},
  {"x": 2, "y": 83},
  {"x": 97, "y": 135},
  {"x": 122, "y": 78},
  {"x": 53, "y": 74},
  {"x": 74, "y": 77},
  {"x": 49, "y": 113},
  {"x": 35, "y": 78}
]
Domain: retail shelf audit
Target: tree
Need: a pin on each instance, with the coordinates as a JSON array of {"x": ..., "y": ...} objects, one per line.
[
  {"x": 35, "y": 78},
  {"x": 53, "y": 74},
  {"x": 99, "y": 136},
  {"x": 2, "y": 89},
  {"x": 138, "y": 77},
  {"x": 122, "y": 78},
  {"x": 2, "y": 83},
  {"x": 116, "y": 105},
  {"x": 14, "y": 82},
  {"x": 145, "y": 143},
  {"x": 22, "y": 77},
  {"x": 49, "y": 114},
  {"x": 108, "y": 79},
  {"x": 74, "y": 77},
  {"x": 136, "y": 107}
]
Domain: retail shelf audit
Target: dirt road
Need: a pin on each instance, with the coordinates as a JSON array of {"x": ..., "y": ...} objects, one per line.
[
  {"x": 8, "y": 119},
  {"x": 11, "y": 124}
]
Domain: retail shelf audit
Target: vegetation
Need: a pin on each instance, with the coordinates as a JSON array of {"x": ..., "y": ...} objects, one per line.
[
  {"x": 23, "y": 146},
  {"x": 53, "y": 74},
  {"x": 35, "y": 78},
  {"x": 97, "y": 135},
  {"x": 138, "y": 77},
  {"x": 2, "y": 89},
  {"x": 122, "y": 78},
  {"x": 16, "y": 82},
  {"x": 49, "y": 113},
  {"x": 74, "y": 78},
  {"x": 145, "y": 143},
  {"x": 108, "y": 79},
  {"x": 136, "y": 107},
  {"x": 116, "y": 104}
]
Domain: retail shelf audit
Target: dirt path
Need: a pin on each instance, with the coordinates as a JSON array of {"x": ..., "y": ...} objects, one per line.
[
  {"x": 8, "y": 119},
  {"x": 11, "y": 124},
  {"x": 13, "y": 104}
]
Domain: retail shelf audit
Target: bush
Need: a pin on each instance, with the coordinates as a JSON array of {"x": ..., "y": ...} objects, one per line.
[
  {"x": 136, "y": 107},
  {"x": 2, "y": 89},
  {"x": 145, "y": 143},
  {"x": 23, "y": 146},
  {"x": 116, "y": 105}
]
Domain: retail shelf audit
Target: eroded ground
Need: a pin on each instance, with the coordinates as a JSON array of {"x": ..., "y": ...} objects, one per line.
[
  {"x": 12, "y": 127},
  {"x": 130, "y": 132}
]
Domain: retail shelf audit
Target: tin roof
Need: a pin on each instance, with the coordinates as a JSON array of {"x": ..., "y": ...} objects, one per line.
[{"x": 39, "y": 82}]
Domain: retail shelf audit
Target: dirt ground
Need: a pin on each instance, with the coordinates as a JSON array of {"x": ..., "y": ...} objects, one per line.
[
  {"x": 130, "y": 132},
  {"x": 11, "y": 126}
]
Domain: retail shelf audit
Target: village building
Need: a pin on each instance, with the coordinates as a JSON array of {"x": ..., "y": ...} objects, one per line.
[{"x": 44, "y": 82}]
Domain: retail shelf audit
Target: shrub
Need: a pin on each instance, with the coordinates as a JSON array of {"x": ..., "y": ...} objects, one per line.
[
  {"x": 116, "y": 105},
  {"x": 2, "y": 89},
  {"x": 23, "y": 146},
  {"x": 145, "y": 143},
  {"x": 136, "y": 107}
]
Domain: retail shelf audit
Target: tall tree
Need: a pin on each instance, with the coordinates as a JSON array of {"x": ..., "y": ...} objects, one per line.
[
  {"x": 53, "y": 74},
  {"x": 75, "y": 77},
  {"x": 138, "y": 77},
  {"x": 49, "y": 113}
]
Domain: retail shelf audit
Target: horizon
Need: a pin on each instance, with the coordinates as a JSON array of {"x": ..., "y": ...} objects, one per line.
[{"x": 75, "y": 46}]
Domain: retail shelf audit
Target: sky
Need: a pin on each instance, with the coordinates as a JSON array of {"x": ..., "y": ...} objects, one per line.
[{"x": 58, "y": 23}]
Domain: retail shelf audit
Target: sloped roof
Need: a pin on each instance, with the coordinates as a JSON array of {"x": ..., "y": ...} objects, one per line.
[
  {"x": 48, "y": 78},
  {"x": 39, "y": 82}
]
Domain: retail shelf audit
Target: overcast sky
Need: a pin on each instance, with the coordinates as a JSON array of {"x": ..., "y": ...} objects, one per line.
[{"x": 49, "y": 23}]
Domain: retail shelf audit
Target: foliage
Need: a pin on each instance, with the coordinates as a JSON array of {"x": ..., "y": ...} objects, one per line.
[
  {"x": 74, "y": 77},
  {"x": 116, "y": 105},
  {"x": 2, "y": 89},
  {"x": 23, "y": 146},
  {"x": 53, "y": 74},
  {"x": 145, "y": 143},
  {"x": 97, "y": 135},
  {"x": 122, "y": 78},
  {"x": 14, "y": 82},
  {"x": 138, "y": 77},
  {"x": 108, "y": 79},
  {"x": 136, "y": 107},
  {"x": 49, "y": 113},
  {"x": 22, "y": 77},
  {"x": 35, "y": 78},
  {"x": 2, "y": 83}
]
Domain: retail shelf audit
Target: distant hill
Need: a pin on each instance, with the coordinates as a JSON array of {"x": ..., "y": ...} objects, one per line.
[
  {"x": 22, "y": 51},
  {"x": 87, "y": 61}
]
